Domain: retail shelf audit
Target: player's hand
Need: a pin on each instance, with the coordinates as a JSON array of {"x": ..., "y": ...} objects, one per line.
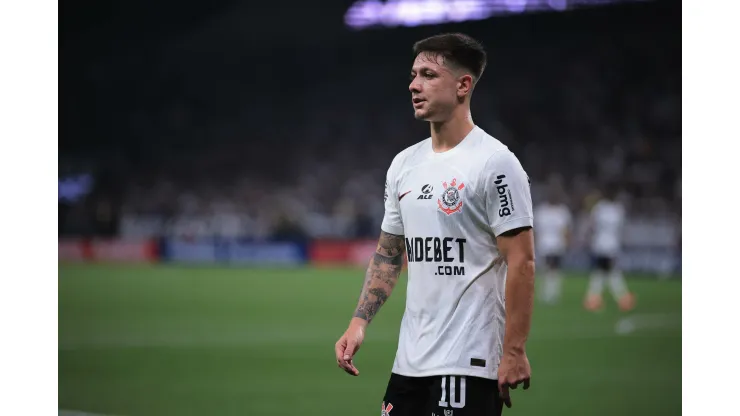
[
  {"x": 348, "y": 345},
  {"x": 513, "y": 370}
]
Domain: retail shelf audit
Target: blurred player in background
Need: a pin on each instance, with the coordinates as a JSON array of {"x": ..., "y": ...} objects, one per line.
[
  {"x": 458, "y": 205},
  {"x": 553, "y": 223},
  {"x": 605, "y": 229}
]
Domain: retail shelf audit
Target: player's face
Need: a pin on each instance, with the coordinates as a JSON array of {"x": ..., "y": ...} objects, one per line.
[{"x": 434, "y": 88}]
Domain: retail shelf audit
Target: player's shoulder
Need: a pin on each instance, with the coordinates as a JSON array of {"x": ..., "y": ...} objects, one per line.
[
  {"x": 487, "y": 154},
  {"x": 485, "y": 145},
  {"x": 494, "y": 153},
  {"x": 409, "y": 154}
]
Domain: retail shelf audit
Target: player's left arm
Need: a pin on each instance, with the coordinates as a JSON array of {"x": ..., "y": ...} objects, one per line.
[
  {"x": 517, "y": 247},
  {"x": 380, "y": 279},
  {"x": 509, "y": 209}
]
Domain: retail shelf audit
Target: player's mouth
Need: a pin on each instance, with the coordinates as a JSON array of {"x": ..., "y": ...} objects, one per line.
[{"x": 418, "y": 102}]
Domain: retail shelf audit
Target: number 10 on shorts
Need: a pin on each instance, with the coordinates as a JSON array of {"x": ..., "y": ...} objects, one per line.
[{"x": 452, "y": 400}]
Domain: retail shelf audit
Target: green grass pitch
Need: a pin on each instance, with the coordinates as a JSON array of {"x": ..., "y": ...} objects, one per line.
[{"x": 176, "y": 340}]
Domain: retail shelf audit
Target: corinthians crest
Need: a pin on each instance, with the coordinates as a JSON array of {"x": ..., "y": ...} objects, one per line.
[{"x": 451, "y": 200}]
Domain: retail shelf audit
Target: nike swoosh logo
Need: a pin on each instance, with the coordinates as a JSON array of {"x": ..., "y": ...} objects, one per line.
[{"x": 402, "y": 195}]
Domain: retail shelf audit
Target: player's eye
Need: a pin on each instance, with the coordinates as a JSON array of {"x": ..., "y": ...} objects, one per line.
[
  {"x": 411, "y": 77},
  {"x": 429, "y": 75}
]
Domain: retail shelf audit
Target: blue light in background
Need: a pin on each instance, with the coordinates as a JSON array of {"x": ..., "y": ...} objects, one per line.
[{"x": 74, "y": 188}]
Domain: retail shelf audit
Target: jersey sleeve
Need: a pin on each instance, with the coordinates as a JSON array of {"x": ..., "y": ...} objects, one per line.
[
  {"x": 392, "y": 222},
  {"x": 507, "y": 193}
]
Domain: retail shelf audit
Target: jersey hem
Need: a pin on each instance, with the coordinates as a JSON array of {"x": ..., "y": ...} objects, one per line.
[{"x": 458, "y": 371}]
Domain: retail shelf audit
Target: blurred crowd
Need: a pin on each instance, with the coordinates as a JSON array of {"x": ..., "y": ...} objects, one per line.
[{"x": 207, "y": 137}]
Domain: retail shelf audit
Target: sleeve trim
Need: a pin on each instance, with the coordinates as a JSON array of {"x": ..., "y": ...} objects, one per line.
[{"x": 512, "y": 224}]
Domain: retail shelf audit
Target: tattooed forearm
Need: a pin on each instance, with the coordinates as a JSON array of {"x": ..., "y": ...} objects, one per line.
[
  {"x": 382, "y": 275},
  {"x": 390, "y": 245}
]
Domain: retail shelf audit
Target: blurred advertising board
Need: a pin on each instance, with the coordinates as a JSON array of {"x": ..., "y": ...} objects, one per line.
[
  {"x": 108, "y": 250},
  {"x": 234, "y": 251},
  {"x": 73, "y": 250},
  {"x": 342, "y": 252},
  {"x": 357, "y": 253}
]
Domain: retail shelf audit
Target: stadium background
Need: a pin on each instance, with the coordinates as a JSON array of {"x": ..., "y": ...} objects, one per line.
[{"x": 220, "y": 191}]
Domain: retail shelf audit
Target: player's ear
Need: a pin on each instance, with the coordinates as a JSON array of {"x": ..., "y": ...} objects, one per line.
[{"x": 464, "y": 85}]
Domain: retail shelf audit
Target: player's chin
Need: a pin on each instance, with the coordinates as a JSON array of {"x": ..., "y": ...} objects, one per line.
[{"x": 422, "y": 115}]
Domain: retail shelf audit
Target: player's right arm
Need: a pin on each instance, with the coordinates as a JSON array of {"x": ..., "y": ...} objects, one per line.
[
  {"x": 380, "y": 279},
  {"x": 381, "y": 276}
]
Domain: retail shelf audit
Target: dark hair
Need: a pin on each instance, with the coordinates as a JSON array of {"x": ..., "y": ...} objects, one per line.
[{"x": 456, "y": 49}]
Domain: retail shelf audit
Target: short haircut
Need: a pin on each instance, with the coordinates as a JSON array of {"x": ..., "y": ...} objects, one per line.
[{"x": 457, "y": 49}]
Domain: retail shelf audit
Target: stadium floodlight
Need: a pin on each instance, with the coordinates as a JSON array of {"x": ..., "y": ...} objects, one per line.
[{"x": 392, "y": 13}]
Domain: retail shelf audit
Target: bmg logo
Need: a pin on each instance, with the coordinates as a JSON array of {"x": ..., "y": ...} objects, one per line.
[{"x": 506, "y": 205}]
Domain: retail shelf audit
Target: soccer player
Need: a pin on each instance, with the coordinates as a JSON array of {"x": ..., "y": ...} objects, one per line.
[
  {"x": 605, "y": 228},
  {"x": 553, "y": 223},
  {"x": 458, "y": 208}
]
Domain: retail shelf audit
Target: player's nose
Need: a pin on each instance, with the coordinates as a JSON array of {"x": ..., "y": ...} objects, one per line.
[{"x": 414, "y": 86}]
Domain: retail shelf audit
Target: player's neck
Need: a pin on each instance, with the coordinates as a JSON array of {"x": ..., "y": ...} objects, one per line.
[{"x": 448, "y": 134}]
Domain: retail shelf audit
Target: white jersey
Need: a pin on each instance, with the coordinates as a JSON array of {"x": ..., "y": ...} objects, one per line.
[
  {"x": 450, "y": 207},
  {"x": 552, "y": 222},
  {"x": 607, "y": 220}
]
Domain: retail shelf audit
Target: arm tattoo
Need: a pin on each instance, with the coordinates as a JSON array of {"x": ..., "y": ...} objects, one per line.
[{"x": 381, "y": 276}]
